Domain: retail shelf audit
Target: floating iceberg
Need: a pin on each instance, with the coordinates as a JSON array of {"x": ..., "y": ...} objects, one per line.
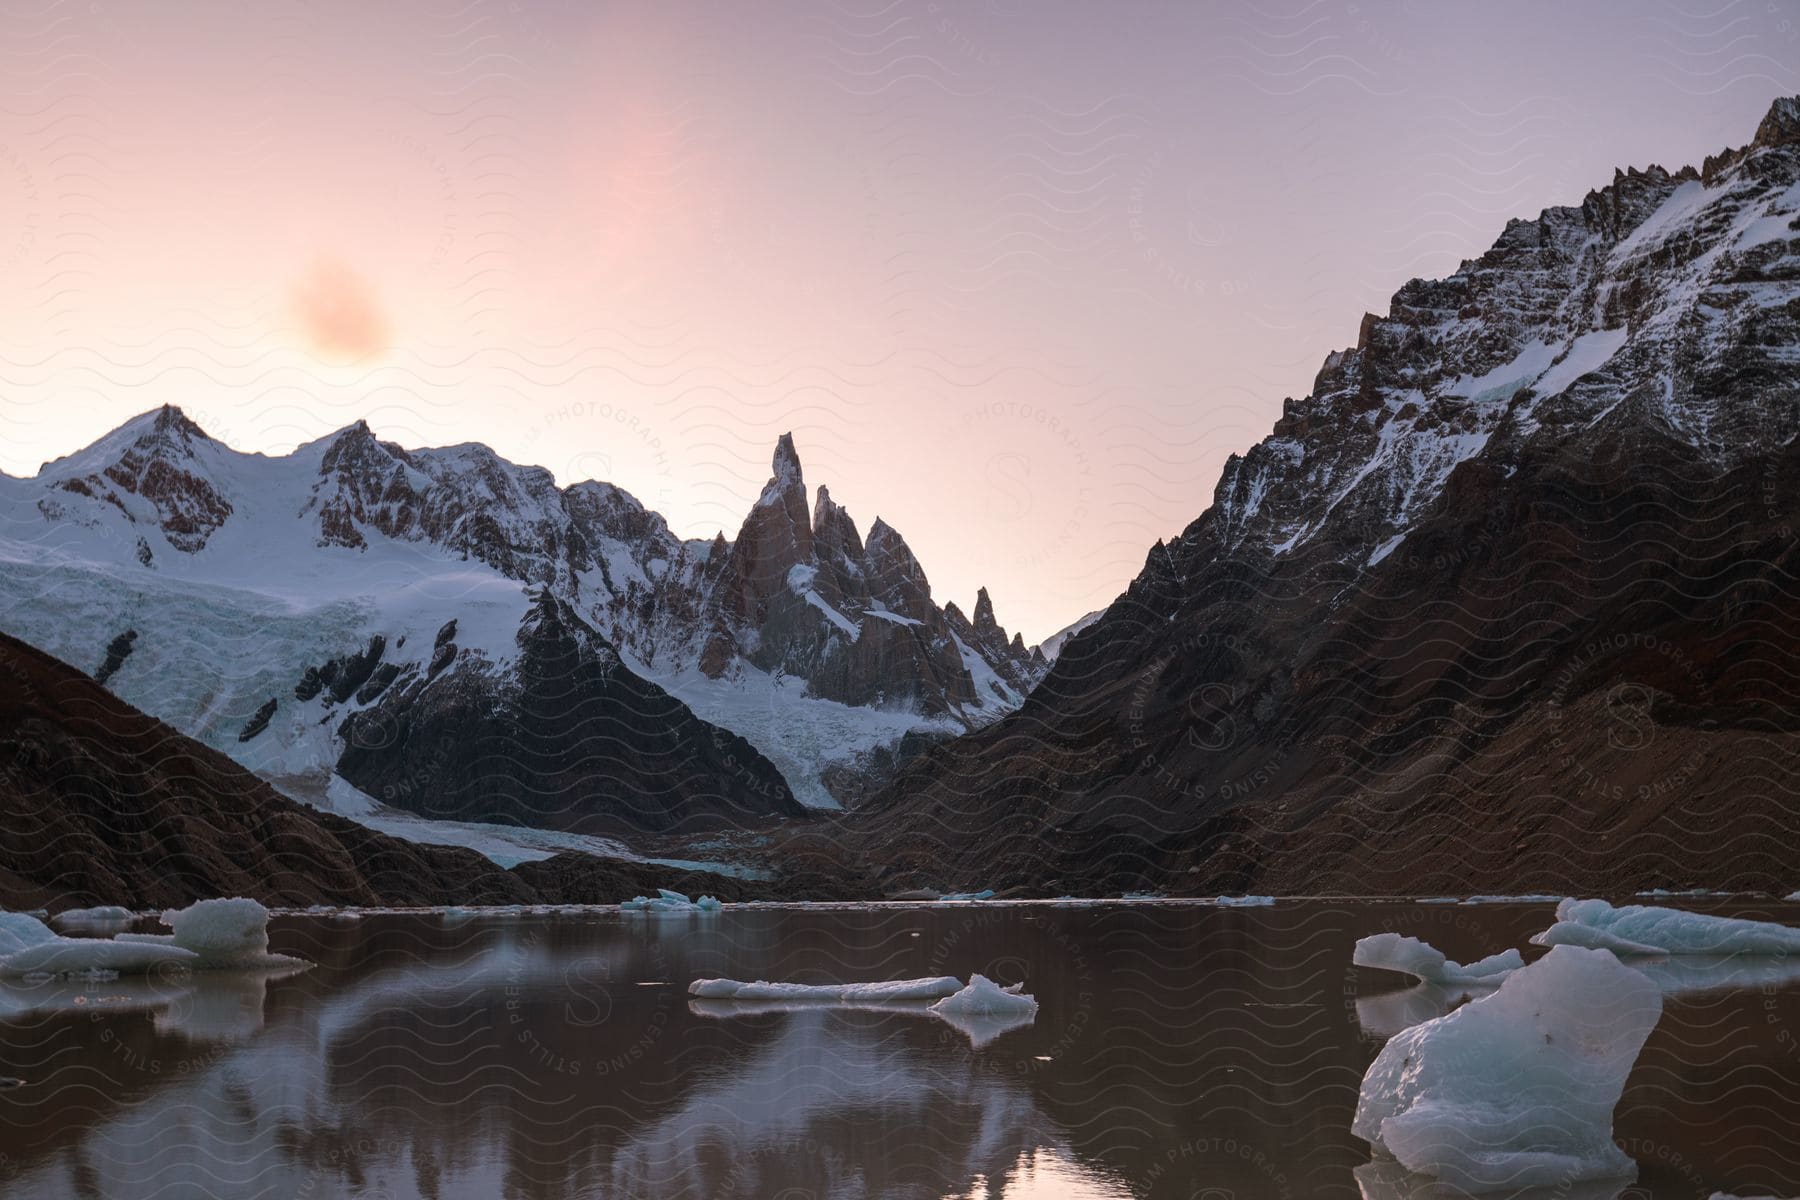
[
  {"x": 18, "y": 931},
  {"x": 1243, "y": 901},
  {"x": 85, "y": 956},
  {"x": 666, "y": 901},
  {"x": 1516, "y": 1089},
  {"x": 985, "y": 998},
  {"x": 1422, "y": 960},
  {"x": 827, "y": 993},
  {"x": 104, "y": 914},
  {"x": 224, "y": 933},
  {"x": 981, "y": 1012},
  {"x": 984, "y": 894},
  {"x": 1644, "y": 929},
  {"x": 206, "y": 934}
]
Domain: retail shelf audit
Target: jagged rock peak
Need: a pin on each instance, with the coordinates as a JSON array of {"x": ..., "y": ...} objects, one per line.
[
  {"x": 984, "y": 611},
  {"x": 786, "y": 467},
  {"x": 836, "y": 541},
  {"x": 355, "y": 448},
  {"x": 825, "y": 509},
  {"x": 160, "y": 429},
  {"x": 171, "y": 420},
  {"x": 1781, "y": 127},
  {"x": 883, "y": 537}
]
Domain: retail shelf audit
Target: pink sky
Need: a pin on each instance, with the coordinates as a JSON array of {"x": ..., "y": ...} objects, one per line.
[{"x": 1017, "y": 276}]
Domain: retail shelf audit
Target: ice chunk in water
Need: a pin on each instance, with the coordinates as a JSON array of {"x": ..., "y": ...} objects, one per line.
[
  {"x": 84, "y": 956},
  {"x": 29, "y": 947},
  {"x": 666, "y": 901},
  {"x": 18, "y": 931},
  {"x": 1516, "y": 1089},
  {"x": 207, "y": 933},
  {"x": 1422, "y": 960},
  {"x": 983, "y": 997},
  {"x": 223, "y": 933},
  {"x": 104, "y": 914},
  {"x": 827, "y": 993},
  {"x": 1648, "y": 929}
]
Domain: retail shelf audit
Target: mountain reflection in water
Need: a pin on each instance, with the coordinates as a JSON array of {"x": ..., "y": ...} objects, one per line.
[{"x": 1179, "y": 1050}]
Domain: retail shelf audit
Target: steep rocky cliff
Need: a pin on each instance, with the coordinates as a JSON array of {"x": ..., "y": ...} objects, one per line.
[{"x": 1508, "y": 602}]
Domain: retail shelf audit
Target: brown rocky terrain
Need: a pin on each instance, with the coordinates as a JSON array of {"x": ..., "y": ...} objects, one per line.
[{"x": 105, "y": 805}]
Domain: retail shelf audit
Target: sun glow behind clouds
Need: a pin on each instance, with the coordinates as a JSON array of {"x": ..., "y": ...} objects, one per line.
[{"x": 338, "y": 314}]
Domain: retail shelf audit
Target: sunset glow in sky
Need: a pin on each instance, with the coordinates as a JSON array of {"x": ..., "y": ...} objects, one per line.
[{"x": 1017, "y": 276}]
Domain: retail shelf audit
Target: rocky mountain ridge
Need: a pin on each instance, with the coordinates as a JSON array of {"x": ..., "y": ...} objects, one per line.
[
  {"x": 422, "y": 571},
  {"x": 1491, "y": 607}
]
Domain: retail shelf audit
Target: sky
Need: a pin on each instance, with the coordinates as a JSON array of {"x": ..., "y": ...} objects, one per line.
[{"x": 1017, "y": 275}]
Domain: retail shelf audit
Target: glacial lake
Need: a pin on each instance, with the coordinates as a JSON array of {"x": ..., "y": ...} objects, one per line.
[{"x": 1180, "y": 1050}]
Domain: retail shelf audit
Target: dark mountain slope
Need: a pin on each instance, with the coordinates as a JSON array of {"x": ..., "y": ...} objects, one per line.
[
  {"x": 104, "y": 805},
  {"x": 569, "y": 738},
  {"x": 1509, "y": 603}
]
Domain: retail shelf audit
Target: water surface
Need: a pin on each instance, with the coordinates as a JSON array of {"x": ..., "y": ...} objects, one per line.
[{"x": 1180, "y": 1050}]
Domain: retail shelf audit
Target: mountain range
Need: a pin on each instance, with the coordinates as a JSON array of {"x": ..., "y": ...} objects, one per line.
[
  {"x": 1508, "y": 601},
  {"x": 448, "y": 633}
]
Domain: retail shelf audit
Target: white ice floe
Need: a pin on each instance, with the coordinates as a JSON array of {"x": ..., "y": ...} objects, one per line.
[
  {"x": 827, "y": 993},
  {"x": 1516, "y": 1089},
  {"x": 1644, "y": 929},
  {"x": 103, "y": 914},
  {"x": 984, "y": 894},
  {"x": 224, "y": 933},
  {"x": 206, "y": 934},
  {"x": 666, "y": 901},
  {"x": 981, "y": 1011},
  {"x": 1243, "y": 901},
  {"x": 86, "y": 956},
  {"x": 20, "y": 930},
  {"x": 1422, "y": 960},
  {"x": 985, "y": 998},
  {"x": 1522, "y": 898}
]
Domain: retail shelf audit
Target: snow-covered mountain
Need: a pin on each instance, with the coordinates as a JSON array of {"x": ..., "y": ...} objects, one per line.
[
  {"x": 454, "y": 634},
  {"x": 1519, "y": 569},
  {"x": 1052, "y": 646}
]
